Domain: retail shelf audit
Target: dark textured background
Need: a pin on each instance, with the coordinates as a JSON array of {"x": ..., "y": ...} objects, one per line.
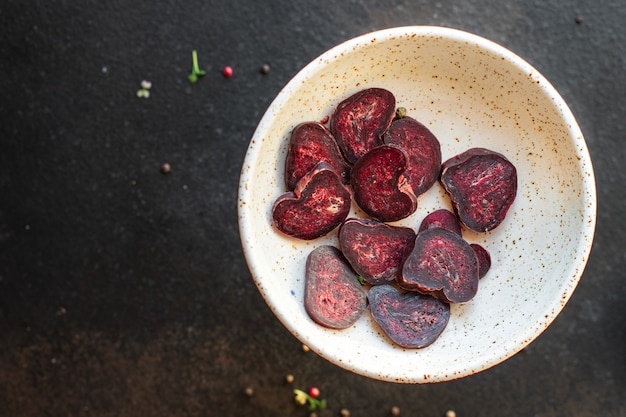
[{"x": 124, "y": 292}]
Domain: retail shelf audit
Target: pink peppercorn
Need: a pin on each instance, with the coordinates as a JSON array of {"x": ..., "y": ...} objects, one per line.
[
  {"x": 314, "y": 392},
  {"x": 227, "y": 72}
]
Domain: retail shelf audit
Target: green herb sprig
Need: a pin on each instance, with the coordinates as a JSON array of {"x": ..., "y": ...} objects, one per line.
[
  {"x": 144, "y": 90},
  {"x": 196, "y": 72},
  {"x": 303, "y": 398}
]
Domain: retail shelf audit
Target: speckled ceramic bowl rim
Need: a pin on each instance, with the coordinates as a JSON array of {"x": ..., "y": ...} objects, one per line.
[{"x": 583, "y": 249}]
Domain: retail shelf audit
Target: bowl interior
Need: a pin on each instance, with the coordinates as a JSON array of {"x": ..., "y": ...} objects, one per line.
[{"x": 470, "y": 92}]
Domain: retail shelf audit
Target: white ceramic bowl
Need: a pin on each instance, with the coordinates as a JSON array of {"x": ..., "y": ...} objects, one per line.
[{"x": 470, "y": 92}]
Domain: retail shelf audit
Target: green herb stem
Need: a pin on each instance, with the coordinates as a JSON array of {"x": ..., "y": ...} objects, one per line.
[
  {"x": 196, "y": 72},
  {"x": 194, "y": 56}
]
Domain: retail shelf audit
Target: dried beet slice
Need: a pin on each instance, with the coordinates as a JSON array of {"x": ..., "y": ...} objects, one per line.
[
  {"x": 423, "y": 149},
  {"x": 309, "y": 144},
  {"x": 441, "y": 218},
  {"x": 333, "y": 297},
  {"x": 443, "y": 264},
  {"x": 374, "y": 249},
  {"x": 411, "y": 320},
  {"x": 379, "y": 185},
  {"x": 319, "y": 204},
  {"x": 359, "y": 122},
  {"x": 484, "y": 259},
  {"x": 482, "y": 185}
]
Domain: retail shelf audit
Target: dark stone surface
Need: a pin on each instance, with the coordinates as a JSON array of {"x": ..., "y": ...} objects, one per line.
[{"x": 124, "y": 291}]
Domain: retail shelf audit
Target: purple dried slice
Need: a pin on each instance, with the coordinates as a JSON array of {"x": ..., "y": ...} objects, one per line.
[
  {"x": 379, "y": 186},
  {"x": 333, "y": 297},
  {"x": 359, "y": 121},
  {"x": 443, "y": 264},
  {"x": 484, "y": 259},
  {"x": 423, "y": 149},
  {"x": 309, "y": 144},
  {"x": 482, "y": 185},
  {"x": 410, "y": 320},
  {"x": 318, "y": 204},
  {"x": 374, "y": 249},
  {"x": 441, "y": 218}
]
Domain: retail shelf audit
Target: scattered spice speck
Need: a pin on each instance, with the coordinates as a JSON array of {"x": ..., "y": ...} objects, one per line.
[
  {"x": 289, "y": 378},
  {"x": 314, "y": 392},
  {"x": 227, "y": 72},
  {"x": 166, "y": 168},
  {"x": 395, "y": 411},
  {"x": 249, "y": 391},
  {"x": 344, "y": 412},
  {"x": 450, "y": 413},
  {"x": 305, "y": 348},
  {"x": 265, "y": 68},
  {"x": 579, "y": 20}
]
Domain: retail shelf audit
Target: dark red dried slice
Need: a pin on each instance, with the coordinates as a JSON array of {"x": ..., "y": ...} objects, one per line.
[
  {"x": 333, "y": 297},
  {"x": 359, "y": 122},
  {"x": 319, "y": 203},
  {"x": 423, "y": 149},
  {"x": 411, "y": 320},
  {"x": 441, "y": 218},
  {"x": 482, "y": 185},
  {"x": 443, "y": 264},
  {"x": 374, "y": 249},
  {"x": 379, "y": 185},
  {"x": 484, "y": 259},
  {"x": 309, "y": 144}
]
